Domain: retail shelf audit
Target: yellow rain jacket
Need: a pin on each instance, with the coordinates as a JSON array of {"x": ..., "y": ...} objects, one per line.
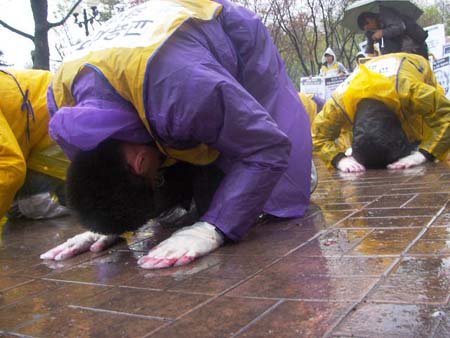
[
  {"x": 407, "y": 85},
  {"x": 310, "y": 105},
  {"x": 130, "y": 83},
  {"x": 24, "y": 140},
  {"x": 345, "y": 138}
]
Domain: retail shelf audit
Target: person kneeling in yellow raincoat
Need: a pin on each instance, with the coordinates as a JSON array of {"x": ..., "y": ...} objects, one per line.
[
  {"x": 397, "y": 112},
  {"x": 25, "y": 144}
]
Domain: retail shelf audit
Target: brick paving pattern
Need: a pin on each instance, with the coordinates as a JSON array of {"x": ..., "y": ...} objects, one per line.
[{"x": 370, "y": 259}]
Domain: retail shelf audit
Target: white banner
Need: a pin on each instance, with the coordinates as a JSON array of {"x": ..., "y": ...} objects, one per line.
[
  {"x": 441, "y": 69},
  {"x": 331, "y": 83},
  {"x": 322, "y": 87},
  {"x": 435, "y": 40},
  {"x": 313, "y": 85}
]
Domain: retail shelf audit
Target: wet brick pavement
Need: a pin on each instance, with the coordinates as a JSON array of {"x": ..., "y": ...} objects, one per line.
[{"x": 370, "y": 259}]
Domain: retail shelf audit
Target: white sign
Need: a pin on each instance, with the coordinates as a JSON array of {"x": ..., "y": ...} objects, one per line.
[
  {"x": 331, "y": 83},
  {"x": 322, "y": 87},
  {"x": 441, "y": 69},
  {"x": 435, "y": 39},
  {"x": 313, "y": 85}
]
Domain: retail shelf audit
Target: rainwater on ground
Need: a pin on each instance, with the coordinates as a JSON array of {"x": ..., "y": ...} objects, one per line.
[{"x": 370, "y": 259}]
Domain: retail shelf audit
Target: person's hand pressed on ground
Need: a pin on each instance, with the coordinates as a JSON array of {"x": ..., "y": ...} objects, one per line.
[
  {"x": 86, "y": 241},
  {"x": 348, "y": 164},
  {"x": 412, "y": 160},
  {"x": 183, "y": 246}
]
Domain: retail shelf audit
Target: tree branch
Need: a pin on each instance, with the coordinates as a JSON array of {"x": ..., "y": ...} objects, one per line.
[
  {"x": 26, "y": 35},
  {"x": 63, "y": 20}
]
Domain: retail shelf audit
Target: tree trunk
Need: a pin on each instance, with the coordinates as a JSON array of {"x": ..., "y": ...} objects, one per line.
[{"x": 41, "y": 54}]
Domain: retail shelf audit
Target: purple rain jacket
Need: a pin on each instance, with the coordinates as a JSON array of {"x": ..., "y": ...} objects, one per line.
[{"x": 222, "y": 83}]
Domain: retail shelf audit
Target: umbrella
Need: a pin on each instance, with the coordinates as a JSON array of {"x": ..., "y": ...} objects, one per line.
[{"x": 351, "y": 13}]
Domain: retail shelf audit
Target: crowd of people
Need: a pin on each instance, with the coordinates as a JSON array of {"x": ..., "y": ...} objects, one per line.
[{"x": 208, "y": 116}]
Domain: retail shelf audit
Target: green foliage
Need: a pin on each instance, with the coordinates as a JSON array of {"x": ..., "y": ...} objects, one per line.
[
  {"x": 436, "y": 14},
  {"x": 431, "y": 16}
]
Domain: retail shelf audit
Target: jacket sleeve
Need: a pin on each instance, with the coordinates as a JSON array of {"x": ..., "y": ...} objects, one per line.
[
  {"x": 12, "y": 166},
  {"x": 213, "y": 108},
  {"x": 326, "y": 128},
  {"x": 435, "y": 109},
  {"x": 393, "y": 24}
]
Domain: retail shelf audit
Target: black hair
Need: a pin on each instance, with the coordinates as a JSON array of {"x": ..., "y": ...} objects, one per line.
[
  {"x": 358, "y": 57},
  {"x": 378, "y": 136},
  {"x": 362, "y": 18},
  {"x": 105, "y": 194},
  {"x": 325, "y": 63},
  {"x": 109, "y": 198}
]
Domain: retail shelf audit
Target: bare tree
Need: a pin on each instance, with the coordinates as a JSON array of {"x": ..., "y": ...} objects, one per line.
[
  {"x": 41, "y": 53},
  {"x": 302, "y": 30}
]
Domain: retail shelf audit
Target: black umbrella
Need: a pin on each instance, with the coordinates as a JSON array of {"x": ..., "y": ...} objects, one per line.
[{"x": 351, "y": 13}]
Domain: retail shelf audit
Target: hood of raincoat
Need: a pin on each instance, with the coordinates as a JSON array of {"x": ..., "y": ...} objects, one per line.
[
  {"x": 361, "y": 54},
  {"x": 328, "y": 51}
]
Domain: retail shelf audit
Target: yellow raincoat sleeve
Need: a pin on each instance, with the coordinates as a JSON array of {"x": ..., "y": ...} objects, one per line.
[
  {"x": 326, "y": 128},
  {"x": 12, "y": 166},
  {"x": 435, "y": 109},
  {"x": 309, "y": 104}
]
